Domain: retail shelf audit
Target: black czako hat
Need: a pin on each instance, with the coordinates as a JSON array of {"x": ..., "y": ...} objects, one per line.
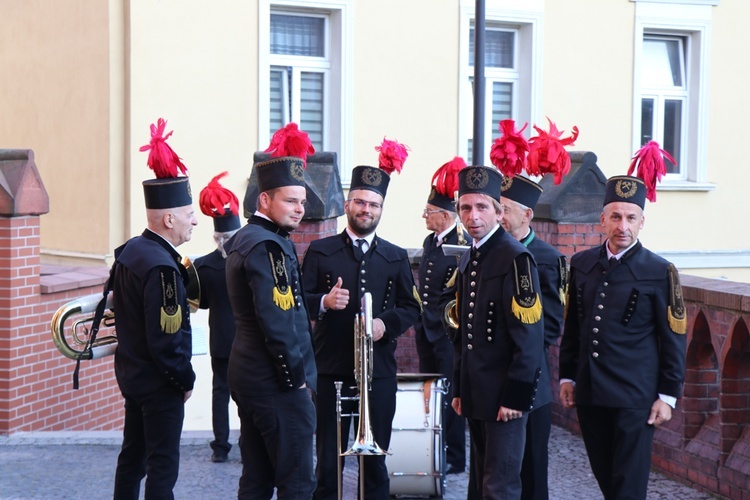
[
  {"x": 480, "y": 180},
  {"x": 168, "y": 190},
  {"x": 521, "y": 190}
]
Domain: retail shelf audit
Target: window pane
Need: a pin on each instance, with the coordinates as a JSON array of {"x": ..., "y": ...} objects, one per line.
[
  {"x": 672, "y": 133},
  {"x": 311, "y": 107},
  {"x": 297, "y": 35},
  {"x": 647, "y": 120},
  {"x": 279, "y": 103},
  {"x": 498, "y": 48},
  {"x": 662, "y": 62},
  {"x": 502, "y": 105}
]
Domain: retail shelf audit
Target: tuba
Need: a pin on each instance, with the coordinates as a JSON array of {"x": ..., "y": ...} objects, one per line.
[
  {"x": 364, "y": 442},
  {"x": 81, "y": 313}
]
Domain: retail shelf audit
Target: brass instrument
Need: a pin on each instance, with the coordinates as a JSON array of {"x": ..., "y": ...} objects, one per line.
[
  {"x": 450, "y": 313},
  {"x": 364, "y": 442},
  {"x": 81, "y": 312}
]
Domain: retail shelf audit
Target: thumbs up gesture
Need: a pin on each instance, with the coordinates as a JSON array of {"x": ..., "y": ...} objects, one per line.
[{"x": 337, "y": 298}]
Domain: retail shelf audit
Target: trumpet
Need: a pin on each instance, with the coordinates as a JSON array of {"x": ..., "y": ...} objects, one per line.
[
  {"x": 364, "y": 441},
  {"x": 81, "y": 313}
]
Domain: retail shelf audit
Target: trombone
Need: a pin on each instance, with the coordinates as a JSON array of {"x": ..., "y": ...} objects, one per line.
[{"x": 364, "y": 442}]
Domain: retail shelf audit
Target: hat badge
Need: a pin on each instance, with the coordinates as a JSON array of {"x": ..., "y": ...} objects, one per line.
[
  {"x": 297, "y": 172},
  {"x": 507, "y": 183},
  {"x": 477, "y": 178},
  {"x": 625, "y": 188},
  {"x": 433, "y": 193},
  {"x": 372, "y": 177}
]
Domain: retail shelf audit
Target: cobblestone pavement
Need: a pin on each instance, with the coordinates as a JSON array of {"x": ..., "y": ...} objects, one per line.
[{"x": 73, "y": 465}]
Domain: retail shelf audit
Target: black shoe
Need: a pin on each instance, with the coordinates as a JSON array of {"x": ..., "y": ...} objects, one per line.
[
  {"x": 219, "y": 458},
  {"x": 452, "y": 469}
]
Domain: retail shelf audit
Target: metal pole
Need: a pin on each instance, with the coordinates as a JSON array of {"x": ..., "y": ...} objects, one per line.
[{"x": 477, "y": 157}]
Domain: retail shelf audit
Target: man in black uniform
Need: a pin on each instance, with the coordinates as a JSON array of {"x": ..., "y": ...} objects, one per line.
[
  {"x": 222, "y": 206},
  {"x": 337, "y": 272},
  {"x": 154, "y": 347},
  {"x": 272, "y": 374},
  {"x": 622, "y": 357},
  {"x": 500, "y": 339},
  {"x": 434, "y": 347},
  {"x": 519, "y": 198}
]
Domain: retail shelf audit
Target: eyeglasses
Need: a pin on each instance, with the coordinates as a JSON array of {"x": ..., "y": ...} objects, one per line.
[
  {"x": 364, "y": 203},
  {"x": 427, "y": 211}
]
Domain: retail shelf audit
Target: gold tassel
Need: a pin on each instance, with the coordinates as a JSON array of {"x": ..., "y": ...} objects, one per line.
[
  {"x": 563, "y": 296},
  {"x": 284, "y": 300},
  {"x": 170, "y": 323},
  {"x": 678, "y": 325},
  {"x": 528, "y": 315}
]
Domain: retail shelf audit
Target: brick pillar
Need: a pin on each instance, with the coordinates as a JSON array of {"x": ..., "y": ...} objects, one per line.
[{"x": 311, "y": 230}]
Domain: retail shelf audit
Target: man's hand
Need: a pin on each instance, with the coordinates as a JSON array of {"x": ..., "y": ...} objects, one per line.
[
  {"x": 660, "y": 412},
  {"x": 337, "y": 298},
  {"x": 506, "y": 414},
  {"x": 378, "y": 329},
  {"x": 568, "y": 395},
  {"x": 456, "y": 404},
  {"x": 186, "y": 396}
]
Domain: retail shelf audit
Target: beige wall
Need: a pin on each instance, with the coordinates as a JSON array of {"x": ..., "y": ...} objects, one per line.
[
  {"x": 54, "y": 94},
  {"x": 82, "y": 80}
]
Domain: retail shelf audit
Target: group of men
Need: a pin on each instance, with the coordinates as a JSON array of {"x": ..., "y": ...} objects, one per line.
[{"x": 294, "y": 335}]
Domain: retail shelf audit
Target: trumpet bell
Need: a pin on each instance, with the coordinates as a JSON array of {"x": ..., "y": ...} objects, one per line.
[{"x": 81, "y": 312}]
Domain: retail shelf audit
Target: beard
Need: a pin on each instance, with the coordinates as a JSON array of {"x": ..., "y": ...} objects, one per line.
[{"x": 363, "y": 226}]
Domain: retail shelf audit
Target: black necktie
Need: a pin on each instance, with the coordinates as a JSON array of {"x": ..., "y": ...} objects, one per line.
[
  {"x": 613, "y": 262},
  {"x": 358, "y": 250}
]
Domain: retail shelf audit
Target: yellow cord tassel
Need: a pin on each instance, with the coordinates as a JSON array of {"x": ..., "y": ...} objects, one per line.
[
  {"x": 528, "y": 315},
  {"x": 678, "y": 325},
  {"x": 284, "y": 300},
  {"x": 170, "y": 323}
]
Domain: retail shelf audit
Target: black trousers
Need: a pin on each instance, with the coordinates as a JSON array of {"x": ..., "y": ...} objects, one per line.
[
  {"x": 498, "y": 453},
  {"x": 437, "y": 357},
  {"x": 536, "y": 455},
  {"x": 150, "y": 445},
  {"x": 382, "y": 409},
  {"x": 618, "y": 443},
  {"x": 220, "y": 406}
]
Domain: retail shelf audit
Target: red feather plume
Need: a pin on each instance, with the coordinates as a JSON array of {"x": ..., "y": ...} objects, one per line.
[
  {"x": 215, "y": 199},
  {"x": 161, "y": 158},
  {"x": 392, "y": 156},
  {"x": 649, "y": 161},
  {"x": 446, "y": 177},
  {"x": 291, "y": 141},
  {"x": 547, "y": 153},
  {"x": 508, "y": 152}
]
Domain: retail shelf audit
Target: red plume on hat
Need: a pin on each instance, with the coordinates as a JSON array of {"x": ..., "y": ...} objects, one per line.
[
  {"x": 392, "y": 156},
  {"x": 649, "y": 162},
  {"x": 508, "y": 152},
  {"x": 161, "y": 158},
  {"x": 291, "y": 141},
  {"x": 445, "y": 179},
  {"x": 215, "y": 199},
  {"x": 547, "y": 153}
]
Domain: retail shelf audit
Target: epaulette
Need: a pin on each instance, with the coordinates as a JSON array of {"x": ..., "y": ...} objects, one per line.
[
  {"x": 676, "y": 309},
  {"x": 282, "y": 292},
  {"x": 171, "y": 310},
  {"x": 563, "y": 270},
  {"x": 526, "y": 306}
]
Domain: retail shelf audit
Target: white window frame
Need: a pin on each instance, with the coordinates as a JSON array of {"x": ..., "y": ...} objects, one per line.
[
  {"x": 338, "y": 86},
  {"x": 526, "y": 19},
  {"x": 691, "y": 20}
]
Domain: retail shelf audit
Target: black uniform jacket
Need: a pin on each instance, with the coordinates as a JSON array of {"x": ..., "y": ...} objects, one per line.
[
  {"x": 215, "y": 298},
  {"x": 435, "y": 272},
  {"x": 551, "y": 267},
  {"x": 498, "y": 351},
  {"x": 272, "y": 350},
  {"x": 154, "y": 340},
  {"x": 385, "y": 272},
  {"x": 618, "y": 345}
]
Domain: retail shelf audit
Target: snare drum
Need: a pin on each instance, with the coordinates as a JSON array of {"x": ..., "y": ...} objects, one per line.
[{"x": 416, "y": 463}]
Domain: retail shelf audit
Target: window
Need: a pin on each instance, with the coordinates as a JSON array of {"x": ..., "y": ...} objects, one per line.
[
  {"x": 664, "y": 96},
  {"x": 512, "y": 59},
  {"x": 671, "y": 79},
  {"x": 304, "y": 65}
]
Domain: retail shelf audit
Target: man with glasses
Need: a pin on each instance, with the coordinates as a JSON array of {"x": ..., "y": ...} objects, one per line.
[
  {"x": 336, "y": 273},
  {"x": 434, "y": 347}
]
